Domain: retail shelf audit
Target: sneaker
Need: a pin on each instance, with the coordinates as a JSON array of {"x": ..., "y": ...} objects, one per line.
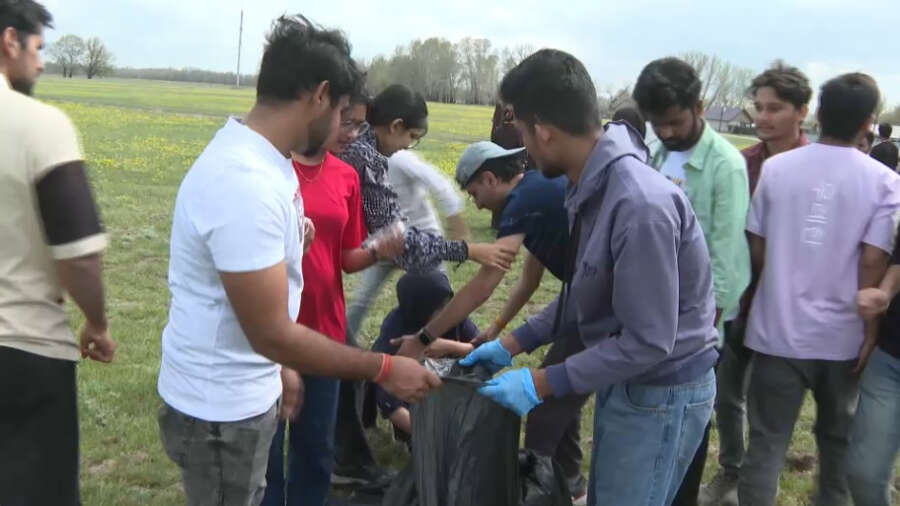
[
  {"x": 716, "y": 491},
  {"x": 580, "y": 501},
  {"x": 359, "y": 475}
]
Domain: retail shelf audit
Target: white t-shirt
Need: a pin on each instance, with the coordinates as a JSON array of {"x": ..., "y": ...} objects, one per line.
[
  {"x": 413, "y": 180},
  {"x": 238, "y": 210},
  {"x": 673, "y": 166}
]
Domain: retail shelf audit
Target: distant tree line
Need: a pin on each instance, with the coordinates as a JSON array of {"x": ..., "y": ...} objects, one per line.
[
  {"x": 186, "y": 74},
  {"x": 467, "y": 71}
]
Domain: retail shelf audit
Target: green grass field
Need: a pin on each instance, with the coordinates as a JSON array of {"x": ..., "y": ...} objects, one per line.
[{"x": 140, "y": 138}]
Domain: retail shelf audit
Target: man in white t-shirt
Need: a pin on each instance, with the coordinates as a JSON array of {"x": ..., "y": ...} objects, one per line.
[{"x": 235, "y": 278}]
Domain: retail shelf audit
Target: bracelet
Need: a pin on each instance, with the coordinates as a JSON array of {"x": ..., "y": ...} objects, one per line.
[
  {"x": 385, "y": 370},
  {"x": 500, "y": 323}
]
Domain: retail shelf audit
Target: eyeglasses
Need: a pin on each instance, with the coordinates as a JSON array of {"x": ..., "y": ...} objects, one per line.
[{"x": 415, "y": 143}]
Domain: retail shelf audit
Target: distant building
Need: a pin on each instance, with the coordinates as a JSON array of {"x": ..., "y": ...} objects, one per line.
[{"x": 730, "y": 119}]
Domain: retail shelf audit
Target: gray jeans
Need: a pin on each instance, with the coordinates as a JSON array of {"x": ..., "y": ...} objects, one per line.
[
  {"x": 222, "y": 463},
  {"x": 732, "y": 381},
  {"x": 777, "y": 390}
]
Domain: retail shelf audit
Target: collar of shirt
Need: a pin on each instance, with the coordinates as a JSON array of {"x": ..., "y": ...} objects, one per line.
[
  {"x": 758, "y": 153},
  {"x": 4, "y": 84}
]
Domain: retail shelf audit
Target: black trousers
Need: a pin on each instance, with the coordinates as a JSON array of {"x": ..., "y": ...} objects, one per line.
[
  {"x": 553, "y": 428},
  {"x": 38, "y": 430},
  {"x": 351, "y": 448}
]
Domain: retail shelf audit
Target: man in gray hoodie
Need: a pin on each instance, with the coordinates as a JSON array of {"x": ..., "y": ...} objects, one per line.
[{"x": 638, "y": 291}]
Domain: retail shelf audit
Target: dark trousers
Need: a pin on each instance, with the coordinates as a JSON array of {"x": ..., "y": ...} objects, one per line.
[
  {"x": 777, "y": 390},
  {"x": 351, "y": 448},
  {"x": 38, "y": 430},
  {"x": 310, "y": 449},
  {"x": 554, "y": 427},
  {"x": 731, "y": 380}
]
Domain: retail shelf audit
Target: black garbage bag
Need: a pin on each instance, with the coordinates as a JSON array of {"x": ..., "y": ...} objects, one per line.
[
  {"x": 542, "y": 481},
  {"x": 402, "y": 491},
  {"x": 465, "y": 446}
]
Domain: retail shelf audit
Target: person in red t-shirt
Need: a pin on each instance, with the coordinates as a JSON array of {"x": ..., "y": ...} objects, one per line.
[{"x": 330, "y": 191}]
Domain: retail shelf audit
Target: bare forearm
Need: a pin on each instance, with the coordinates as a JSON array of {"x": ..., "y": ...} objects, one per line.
[
  {"x": 82, "y": 278},
  {"x": 476, "y": 292},
  {"x": 309, "y": 352},
  {"x": 520, "y": 295},
  {"x": 891, "y": 282},
  {"x": 357, "y": 259},
  {"x": 872, "y": 267}
]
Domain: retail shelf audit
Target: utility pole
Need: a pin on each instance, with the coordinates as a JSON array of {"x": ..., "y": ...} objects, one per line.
[{"x": 240, "y": 40}]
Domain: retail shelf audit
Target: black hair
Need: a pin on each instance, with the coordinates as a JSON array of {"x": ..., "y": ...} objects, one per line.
[
  {"x": 554, "y": 88},
  {"x": 505, "y": 167},
  {"x": 398, "y": 101},
  {"x": 361, "y": 97},
  {"x": 299, "y": 56},
  {"x": 885, "y": 130},
  {"x": 789, "y": 84},
  {"x": 633, "y": 117},
  {"x": 665, "y": 83},
  {"x": 886, "y": 153},
  {"x": 26, "y": 16},
  {"x": 845, "y": 103}
]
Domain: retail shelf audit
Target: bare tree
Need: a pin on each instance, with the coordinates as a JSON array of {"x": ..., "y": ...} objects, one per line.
[
  {"x": 710, "y": 70},
  {"x": 514, "y": 55},
  {"x": 67, "y": 52},
  {"x": 479, "y": 69},
  {"x": 97, "y": 59},
  {"x": 611, "y": 99}
]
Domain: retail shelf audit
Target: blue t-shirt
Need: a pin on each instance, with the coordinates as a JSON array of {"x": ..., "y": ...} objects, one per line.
[{"x": 535, "y": 208}]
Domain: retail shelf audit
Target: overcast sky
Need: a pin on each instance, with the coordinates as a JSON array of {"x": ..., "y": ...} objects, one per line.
[{"x": 615, "y": 39}]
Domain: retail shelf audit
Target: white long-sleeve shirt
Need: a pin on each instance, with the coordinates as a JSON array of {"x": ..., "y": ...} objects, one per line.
[{"x": 414, "y": 180}]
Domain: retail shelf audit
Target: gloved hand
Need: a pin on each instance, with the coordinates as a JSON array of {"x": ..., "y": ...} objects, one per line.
[
  {"x": 492, "y": 355},
  {"x": 514, "y": 390}
]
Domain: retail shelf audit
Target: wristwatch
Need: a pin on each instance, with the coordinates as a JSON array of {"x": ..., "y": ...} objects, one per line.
[{"x": 425, "y": 338}]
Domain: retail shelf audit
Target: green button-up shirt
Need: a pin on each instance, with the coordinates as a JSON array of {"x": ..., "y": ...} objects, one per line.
[{"x": 716, "y": 185}]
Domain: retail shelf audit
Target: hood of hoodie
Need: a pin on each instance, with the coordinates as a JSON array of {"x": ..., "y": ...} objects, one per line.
[{"x": 618, "y": 141}]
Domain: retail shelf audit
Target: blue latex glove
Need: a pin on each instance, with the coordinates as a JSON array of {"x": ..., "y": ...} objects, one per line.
[
  {"x": 514, "y": 390},
  {"x": 492, "y": 355}
]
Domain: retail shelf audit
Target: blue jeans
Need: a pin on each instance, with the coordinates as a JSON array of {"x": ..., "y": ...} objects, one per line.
[
  {"x": 645, "y": 436},
  {"x": 310, "y": 450},
  {"x": 875, "y": 438}
]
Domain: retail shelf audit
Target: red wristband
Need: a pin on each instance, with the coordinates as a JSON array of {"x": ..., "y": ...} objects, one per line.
[{"x": 385, "y": 370}]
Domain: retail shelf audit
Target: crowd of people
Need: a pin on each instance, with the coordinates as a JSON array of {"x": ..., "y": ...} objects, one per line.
[{"x": 696, "y": 278}]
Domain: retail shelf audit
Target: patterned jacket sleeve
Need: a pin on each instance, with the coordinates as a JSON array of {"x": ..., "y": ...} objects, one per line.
[{"x": 381, "y": 208}]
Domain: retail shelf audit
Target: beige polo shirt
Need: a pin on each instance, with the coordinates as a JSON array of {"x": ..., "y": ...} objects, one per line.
[{"x": 34, "y": 139}]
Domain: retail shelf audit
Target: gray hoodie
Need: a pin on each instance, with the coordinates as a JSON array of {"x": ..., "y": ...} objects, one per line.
[{"x": 641, "y": 296}]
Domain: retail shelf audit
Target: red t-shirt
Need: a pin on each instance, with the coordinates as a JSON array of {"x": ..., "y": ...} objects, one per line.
[{"x": 331, "y": 199}]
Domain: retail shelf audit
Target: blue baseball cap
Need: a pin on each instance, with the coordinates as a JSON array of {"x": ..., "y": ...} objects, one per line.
[{"x": 474, "y": 157}]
